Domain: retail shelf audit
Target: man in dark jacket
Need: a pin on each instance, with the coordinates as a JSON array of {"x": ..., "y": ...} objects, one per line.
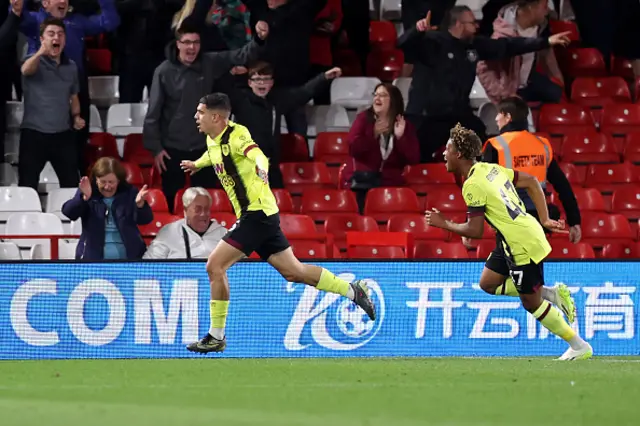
[
  {"x": 291, "y": 22},
  {"x": 512, "y": 117},
  {"x": 8, "y": 40},
  {"x": 142, "y": 35},
  {"x": 170, "y": 131},
  {"x": 445, "y": 70},
  {"x": 261, "y": 107}
]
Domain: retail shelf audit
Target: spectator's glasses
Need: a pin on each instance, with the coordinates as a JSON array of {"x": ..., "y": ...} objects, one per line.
[
  {"x": 261, "y": 79},
  {"x": 190, "y": 43},
  {"x": 380, "y": 94}
]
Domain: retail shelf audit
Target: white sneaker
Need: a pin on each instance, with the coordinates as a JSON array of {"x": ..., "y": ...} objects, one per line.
[{"x": 585, "y": 352}]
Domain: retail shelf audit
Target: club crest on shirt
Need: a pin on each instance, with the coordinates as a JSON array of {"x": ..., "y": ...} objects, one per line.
[
  {"x": 225, "y": 150},
  {"x": 472, "y": 55}
]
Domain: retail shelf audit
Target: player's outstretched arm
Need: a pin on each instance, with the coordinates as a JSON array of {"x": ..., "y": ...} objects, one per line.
[
  {"x": 534, "y": 189},
  {"x": 472, "y": 228}
]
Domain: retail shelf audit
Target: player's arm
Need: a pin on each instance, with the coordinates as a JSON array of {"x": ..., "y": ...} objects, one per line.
[
  {"x": 535, "y": 191},
  {"x": 203, "y": 161},
  {"x": 247, "y": 147},
  {"x": 475, "y": 198}
]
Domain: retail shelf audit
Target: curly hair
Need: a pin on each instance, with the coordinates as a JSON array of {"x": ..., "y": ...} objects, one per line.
[{"x": 466, "y": 142}]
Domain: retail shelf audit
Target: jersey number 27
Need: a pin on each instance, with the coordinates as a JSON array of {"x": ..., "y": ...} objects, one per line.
[{"x": 512, "y": 206}]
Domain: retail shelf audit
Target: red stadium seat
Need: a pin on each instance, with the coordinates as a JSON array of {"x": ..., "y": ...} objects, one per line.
[
  {"x": 626, "y": 201},
  {"x": 159, "y": 220},
  {"x": 440, "y": 250},
  {"x": 600, "y": 228},
  {"x": 104, "y": 145},
  {"x": 417, "y": 225},
  {"x": 608, "y": 177},
  {"x": 135, "y": 152},
  {"x": 575, "y": 174},
  {"x": 300, "y": 176},
  {"x": 376, "y": 252},
  {"x": 385, "y": 64},
  {"x": 424, "y": 178},
  {"x": 599, "y": 91},
  {"x": 619, "y": 119},
  {"x": 308, "y": 249},
  {"x": 297, "y": 225},
  {"x": 331, "y": 148},
  {"x": 225, "y": 219},
  {"x": 564, "y": 249},
  {"x": 484, "y": 248},
  {"x": 157, "y": 201},
  {"x": 322, "y": 203},
  {"x": 447, "y": 200},
  {"x": 382, "y": 203},
  {"x": 622, "y": 67},
  {"x": 293, "y": 147},
  {"x": 632, "y": 148},
  {"x": 582, "y": 62},
  {"x": 589, "y": 147},
  {"x": 557, "y": 26},
  {"x": 589, "y": 199},
  {"x": 99, "y": 61},
  {"x": 284, "y": 200},
  {"x": 378, "y": 241},
  {"x": 339, "y": 225},
  {"x": 134, "y": 175},
  {"x": 564, "y": 119},
  {"x": 382, "y": 35},
  {"x": 219, "y": 202},
  {"x": 622, "y": 250}
]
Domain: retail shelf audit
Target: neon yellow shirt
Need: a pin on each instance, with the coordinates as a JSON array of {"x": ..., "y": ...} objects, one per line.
[
  {"x": 490, "y": 191},
  {"x": 235, "y": 158}
]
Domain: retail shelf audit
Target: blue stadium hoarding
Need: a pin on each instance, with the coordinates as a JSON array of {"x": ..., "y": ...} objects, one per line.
[{"x": 152, "y": 309}]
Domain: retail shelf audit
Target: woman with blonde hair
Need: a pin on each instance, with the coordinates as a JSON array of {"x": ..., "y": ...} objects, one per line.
[{"x": 111, "y": 210}]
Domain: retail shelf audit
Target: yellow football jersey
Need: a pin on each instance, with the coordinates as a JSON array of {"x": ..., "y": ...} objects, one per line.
[
  {"x": 490, "y": 191},
  {"x": 234, "y": 156}
]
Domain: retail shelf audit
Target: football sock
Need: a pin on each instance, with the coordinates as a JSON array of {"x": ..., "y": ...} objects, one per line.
[
  {"x": 330, "y": 283},
  {"x": 508, "y": 288},
  {"x": 549, "y": 294},
  {"x": 552, "y": 320},
  {"x": 218, "y": 317}
]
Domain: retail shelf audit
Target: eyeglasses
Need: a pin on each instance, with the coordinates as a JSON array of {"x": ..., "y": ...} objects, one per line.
[
  {"x": 261, "y": 79},
  {"x": 190, "y": 43}
]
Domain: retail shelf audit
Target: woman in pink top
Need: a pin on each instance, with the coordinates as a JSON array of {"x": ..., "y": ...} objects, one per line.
[{"x": 381, "y": 143}]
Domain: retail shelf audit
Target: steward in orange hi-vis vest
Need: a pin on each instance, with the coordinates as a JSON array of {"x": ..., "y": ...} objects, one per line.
[
  {"x": 524, "y": 152},
  {"x": 518, "y": 149}
]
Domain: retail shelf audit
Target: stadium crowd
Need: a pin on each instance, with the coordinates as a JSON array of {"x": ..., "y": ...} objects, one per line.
[{"x": 353, "y": 113}]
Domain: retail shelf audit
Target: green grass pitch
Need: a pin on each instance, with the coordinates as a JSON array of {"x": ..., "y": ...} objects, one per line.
[{"x": 322, "y": 392}]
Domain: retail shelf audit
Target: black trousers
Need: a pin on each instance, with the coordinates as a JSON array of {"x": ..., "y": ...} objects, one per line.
[
  {"x": 82, "y": 136},
  {"x": 434, "y": 132},
  {"x": 173, "y": 179},
  {"x": 37, "y": 148},
  {"x": 540, "y": 88}
]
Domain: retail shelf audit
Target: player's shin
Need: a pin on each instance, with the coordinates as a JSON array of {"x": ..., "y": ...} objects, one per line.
[
  {"x": 219, "y": 304},
  {"x": 332, "y": 284},
  {"x": 552, "y": 320}
]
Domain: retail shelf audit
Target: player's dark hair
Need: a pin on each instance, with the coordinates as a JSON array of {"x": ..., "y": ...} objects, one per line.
[
  {"x": 453, "y": 15},
  {"x": 218, "y": 101},
  {"x": 261, "y": 68},
  {"x": 516, "y": 107},
  {"x": 396, "y": 104},
  {"x": 52, "y": 21},
  {"x": 466, "y": 142},
  {"x": 527, "y": 3}
]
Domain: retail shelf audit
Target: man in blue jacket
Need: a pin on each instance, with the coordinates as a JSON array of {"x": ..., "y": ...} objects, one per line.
[{"x": 78, "y": 27}]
